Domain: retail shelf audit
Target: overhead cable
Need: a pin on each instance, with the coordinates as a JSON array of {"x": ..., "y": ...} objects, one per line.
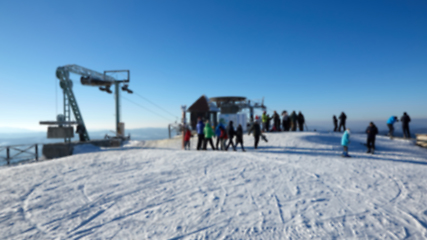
[
  {"x": 155, "y": 105},
  {"x": 146, "y": 108}
]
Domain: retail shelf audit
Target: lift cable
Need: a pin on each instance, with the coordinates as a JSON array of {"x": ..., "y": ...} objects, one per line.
[
  {"x": 146, "y": 108},
  {"x": 155, "y": 105},
  {"x": 144, "y": 98}
]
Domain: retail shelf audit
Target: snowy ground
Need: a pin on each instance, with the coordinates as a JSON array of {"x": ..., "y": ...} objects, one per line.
[{"x": 296, "y": 186}]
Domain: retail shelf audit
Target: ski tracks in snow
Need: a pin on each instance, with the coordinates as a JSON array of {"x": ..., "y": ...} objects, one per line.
[{"x": 297, "y": 186}]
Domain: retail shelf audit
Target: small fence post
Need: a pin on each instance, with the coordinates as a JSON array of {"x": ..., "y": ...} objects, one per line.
[
  {"x": 7, "y": 155},
  {"x": 37, "y": 152}
]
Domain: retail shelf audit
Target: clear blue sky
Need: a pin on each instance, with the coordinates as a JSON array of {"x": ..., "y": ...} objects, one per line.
[{"x": 367, "y": 58}]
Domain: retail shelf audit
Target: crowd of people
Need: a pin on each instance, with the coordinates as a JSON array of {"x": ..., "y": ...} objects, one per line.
[
  {"x": 287, "y": 123},
  {"x": 227, "y": 137}
]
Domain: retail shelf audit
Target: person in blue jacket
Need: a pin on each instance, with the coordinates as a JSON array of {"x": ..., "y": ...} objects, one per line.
[
  {"x": 345, "y": 140},
  {"x": 390, "y": 123},
  {"x": 200, "y": 134}
]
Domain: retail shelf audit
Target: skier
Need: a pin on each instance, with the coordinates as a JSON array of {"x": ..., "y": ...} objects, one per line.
[
  {"x": 187, "y": 137},
  {"x": 390, "y": 123},
  {"x": 276, "y": 120},
  {"x": 301, "y": 121},
  {"x": 342, "y": 118},
  {"x": 405, "y": 119},
  {"x": 81, "y": 131},
  {"x": 230, "y": 132},
  {"x": 208, "y": 133},
  {"x": 218, "y": 133},
  {"x": 293, "y": 119},
  {"x": 345, "y": 140},
  {"x": 201, "y": 136},
  {"x": 239, "y": 137},
  {"x": 372, "y": 130},
  {"x": 256, "y": 129},
  {"x": 285, "y": 121},
  {"x": 335, "y": 120}
]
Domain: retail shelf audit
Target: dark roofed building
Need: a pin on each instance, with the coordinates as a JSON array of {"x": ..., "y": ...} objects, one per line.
[{"x": 205, "y": 109}]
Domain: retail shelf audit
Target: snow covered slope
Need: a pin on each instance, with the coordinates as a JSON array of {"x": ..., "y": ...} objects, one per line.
[{"x": 296, "y": 186}]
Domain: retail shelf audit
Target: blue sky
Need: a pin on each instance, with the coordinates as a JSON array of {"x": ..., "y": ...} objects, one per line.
[{"x": 367, "y": 58}]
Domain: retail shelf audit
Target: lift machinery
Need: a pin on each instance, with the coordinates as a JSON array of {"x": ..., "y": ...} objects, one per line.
[{"x": 88, "y": 78}]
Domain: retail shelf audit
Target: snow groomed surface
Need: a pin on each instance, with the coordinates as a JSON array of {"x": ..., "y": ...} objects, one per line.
[{"x": 296, "y": 186}]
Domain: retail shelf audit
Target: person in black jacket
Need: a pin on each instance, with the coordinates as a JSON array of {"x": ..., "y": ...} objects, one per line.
[
  {"x": 372, "y": 131},
  {"x": 276, "y": 120},
  {"x": 301, "y": 121},
  {"x": 256, "y": 129},
  {"x": 405, "y": 119},
  {"x": 335, "y": 120},
  {"x": 293, "y": 118},
  {"x": 239, "y": 137},
  {"x": 231, "y": 133},
  {"x": 342, "y": 118},
  {"x": 81, "y": 131}
]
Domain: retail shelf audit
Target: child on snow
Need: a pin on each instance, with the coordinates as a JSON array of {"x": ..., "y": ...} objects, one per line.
[
  {"x": 345, "y": 141},
  {"x": 222, "y": 136},
  {"x": 187, "y": 137},
  {"x": 218, "y": 134}
]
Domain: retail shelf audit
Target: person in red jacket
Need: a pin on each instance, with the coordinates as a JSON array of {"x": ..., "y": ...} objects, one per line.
[
  {"x": 223, "y": 136},
  {"x": 187, "y": 137}
]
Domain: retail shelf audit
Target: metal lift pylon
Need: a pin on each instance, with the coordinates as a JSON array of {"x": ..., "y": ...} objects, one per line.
[{"x": 63, "y": 74}]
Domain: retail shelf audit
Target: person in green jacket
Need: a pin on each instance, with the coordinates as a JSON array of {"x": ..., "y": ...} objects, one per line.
[
  {"x": 209, "y": 132},
  {"x": 265, "y": 122}
]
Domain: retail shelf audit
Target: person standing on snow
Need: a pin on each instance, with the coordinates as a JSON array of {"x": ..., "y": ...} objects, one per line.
[
  {"x": 276, "y": 120},
  {"x": 405, "y": 119},
  {"x": 345, "y": 140},
  {"x": 231, "y": 133},
  {"x": 301, "y": 121},
  {"x": 342, "y": 118},
  {"x": 268, "y": 123},
  {"x": 264, "y": 119},
  {"x": 372, "y": 131},
  {"x": 218, "y": 133},
  {"x": 239, "y": 137},
  {"x": 201, "y": 136},
  {"x": 390, "y": 126},
  {"x": 335, "y": 120},
  {"x": 208, "y": 132},
  {"x": 293, "y": 119},
  {"x": 81, "y": 131},
  {"x": 223, "y": 137},
  {"x": 256, "y": 129},
  {"x": 285, "y": 121},
  {"x": 187, "y": 137}
]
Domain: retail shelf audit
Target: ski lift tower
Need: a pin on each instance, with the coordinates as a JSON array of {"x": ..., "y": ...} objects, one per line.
[{"x": 88, "y": 78}]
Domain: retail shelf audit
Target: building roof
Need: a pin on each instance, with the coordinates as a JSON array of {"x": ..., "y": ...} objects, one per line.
[{"x": 203, "y": 104}]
